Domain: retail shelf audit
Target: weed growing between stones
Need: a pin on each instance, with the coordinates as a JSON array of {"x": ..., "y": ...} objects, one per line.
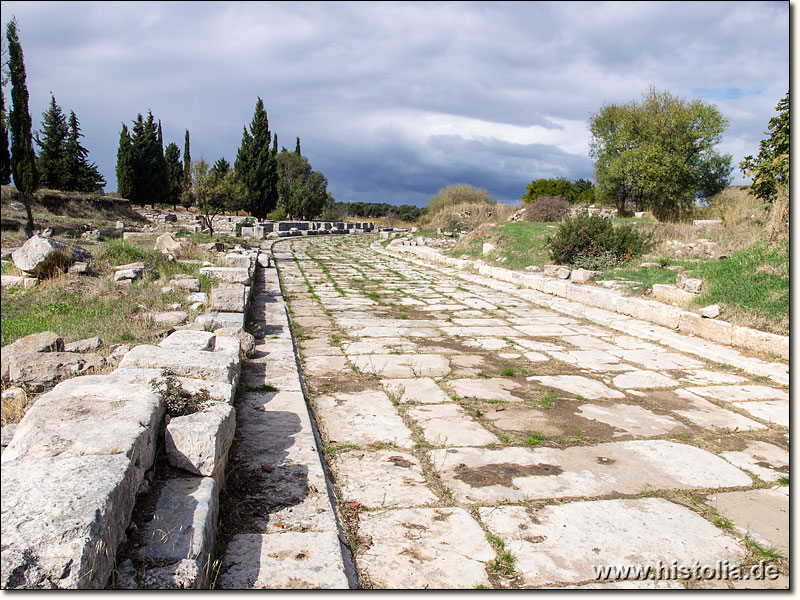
[
  {"x": 178, "y": 401},
  {"x": 548, "y": 401}
]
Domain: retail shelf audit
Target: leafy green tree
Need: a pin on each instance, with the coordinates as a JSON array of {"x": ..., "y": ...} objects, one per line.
[
  {"x": 560, "y": 187},
  {"x": 52, "y": 144},
  {"x": 23, "y": 158},
  {"x": 770, "y": 169},
  {"x": 256, "y": 166},
  {"x": 79, "y": 174},
  {"x": 213, "y": 190},
  {"x": 172, "y": 155},
  {"x": 5, "y": 156},
  {"x": 659, "y": 154},
  {"x": 125, "y": 164},
  {"x": 302, "y": 193}
]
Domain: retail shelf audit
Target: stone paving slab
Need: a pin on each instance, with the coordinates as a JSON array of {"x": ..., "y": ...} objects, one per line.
[
  {"x": 564, "y": 543},
  {"x": 522, "y": 418},
  {"x": 514, "y": 473},
  {"x": 423, "y": 389},
  {"x": 291, "y": 560},
  {"x": 768, "y": 461},
  {"x": 644, "y": 380},
  {"x": 424, "y": 548},
  {"x": 774, "y": 411},
  {"x": 449, "y": 425},
  {"x": 363, "y": 418},
  {"x": 382, "y": 479},
  {"x": 402, "y": 365},
  {"x": 631, "y": 419},
  {"x": 708, "y": 415},
  {"x": 740, "y": 393},
  {"x": 762, "y": 514},
  {"x": 492, "y": 388},
  {"x": 581, "y": 386}
]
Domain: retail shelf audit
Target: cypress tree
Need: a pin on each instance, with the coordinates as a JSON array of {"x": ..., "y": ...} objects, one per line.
[
  {"x": 80, "y": 174},
  {"x": 297, "y": 148},
  {"x": 125, "y": 164},
  {"x": 5, "y": 157},
  {"x": 52, "y": 145},
  {"x": 186, "y": 199},
  {"x": 138, "y": 171},
  {"x": 256, "y": 165},
  {"x": 172, "y": 155},
  {"x": 23, "y": 158},
  {"x": 275, "y": 143}
]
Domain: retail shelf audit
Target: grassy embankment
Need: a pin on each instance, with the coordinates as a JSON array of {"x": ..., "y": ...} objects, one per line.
[{"x": 748, "y": 274}]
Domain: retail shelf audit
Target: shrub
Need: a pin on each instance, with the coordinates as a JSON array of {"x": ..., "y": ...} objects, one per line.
[
  {"x": 248, "y": 222},
  {"x": 547, "y": 209},
  {"x": 589, "y": 236},
  {"x": 178, "y": 401},
  {"x": 459, "y": 193}
]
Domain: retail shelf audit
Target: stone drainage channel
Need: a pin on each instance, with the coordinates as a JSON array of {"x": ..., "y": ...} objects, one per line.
[{"x": 475, "y": 439}]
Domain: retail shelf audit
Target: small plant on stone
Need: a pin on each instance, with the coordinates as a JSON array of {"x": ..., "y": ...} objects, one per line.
[
  {"x": 178, "y": 401},
  {"x": 548, "y": 401},
  {"x": 507, "y": 372},
  {"x": 783, "y": 480},
  {"x": 536, "y": 438}
]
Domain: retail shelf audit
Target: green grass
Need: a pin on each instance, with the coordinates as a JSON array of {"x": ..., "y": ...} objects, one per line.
[
  {"x": 646, "y": 277},
  {"x": 536, "y": 438},
  {"x": 507, "y": 372},
  {"x": 783, "y": 480},
  {"x": 752, "y": 283},
  {"x": 521, "y": 243},
  {"x": 548, "y": 401}
]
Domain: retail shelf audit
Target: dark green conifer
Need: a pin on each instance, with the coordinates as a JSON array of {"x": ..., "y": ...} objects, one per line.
[
  {"x": 23, "y": 158},
  {"x": 256, "y": 167},
  {"x": 5, "y": 156},
  {"x": 52, "y": 145}
]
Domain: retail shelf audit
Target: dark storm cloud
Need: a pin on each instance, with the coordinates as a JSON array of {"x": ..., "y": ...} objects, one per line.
[{"x": 394, "y": 100}]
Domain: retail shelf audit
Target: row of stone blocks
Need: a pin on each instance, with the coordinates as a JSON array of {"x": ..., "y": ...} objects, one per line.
[
  {"x": 658, "y": 313},
  {"x": 72, "y": 472}
]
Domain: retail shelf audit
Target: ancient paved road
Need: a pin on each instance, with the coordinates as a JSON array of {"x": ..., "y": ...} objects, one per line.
[{"x": 477, "y": 439}]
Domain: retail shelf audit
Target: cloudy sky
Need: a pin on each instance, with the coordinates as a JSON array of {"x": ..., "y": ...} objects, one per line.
[{"x": 393, "y": 101}]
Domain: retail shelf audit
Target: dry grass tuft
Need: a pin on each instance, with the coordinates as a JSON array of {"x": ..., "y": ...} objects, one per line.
[{"x": 470, "y": 215}]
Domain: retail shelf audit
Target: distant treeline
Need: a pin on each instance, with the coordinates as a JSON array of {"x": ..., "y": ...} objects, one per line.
[{"x": 404, "y": 212}]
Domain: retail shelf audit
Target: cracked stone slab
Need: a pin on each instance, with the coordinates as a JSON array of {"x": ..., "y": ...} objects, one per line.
[
  {"x": 325, "y": 366},
  {"x": 403, "y": 365},
  {"x": 290, "y": 560},
  {"x": 565, "y": 543},
  {"x": 382, "y": 479},
  {"x": 368, "y": 417},
  {"x": 522, "y": 418},
  {"x": 578, "y": 385},
  {"x": 644, "y": 380},
  {"x": 703, "y": 377},
  {"x": 198, "y": 364},
  {"x": 762, "y": 514},
  {"x": 659, "y": 360},
  {"x": 416, "y": 548},
  {"x": 740, "y": 393},
  {"x": 709, "y": 415},
  {"x": 543, "y": 329},
  {"x": 422, "y": 390},
  {"x": 493, "y": 388},
  {"x": 594, "y": 360},
  {"x": 774, "y": 411},
  {"x": 631, "y": 419},
  {"x": 449, "y": 425},
  {"x": 514, "y": 473},
  {"x": 380, "y": 346},
  {"x": 767, "y": 461}
]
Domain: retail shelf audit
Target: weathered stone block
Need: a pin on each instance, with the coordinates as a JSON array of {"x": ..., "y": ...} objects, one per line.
[
  {"x": 63, "y": 519},
  {"x": 187, "y": 339},
  {"x": 760, "y": 340},
  {"x": 95, "y": 414},
  {"x": 85, "y": 345},
  {"x": 227, "y": 274},
  {"x": 710, "y": 329},
  {"x": 672, "y": 294},
  {"x": 40, "y": 255},
  {"x": 199, "y": 442},
  {"x": 229, "y": 297},
  {"x": 238, "y": 260},
  {"x": 556, "y": 271},
  {"x": 41, "y": 370},
  {"x": 214, "y": 366},
  {"x": 185, "y": 521}
]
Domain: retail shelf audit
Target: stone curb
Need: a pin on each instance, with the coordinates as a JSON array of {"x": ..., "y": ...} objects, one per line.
[
  {"x": 70, "y": 429},
  {"x": 667, "y": 324}
]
